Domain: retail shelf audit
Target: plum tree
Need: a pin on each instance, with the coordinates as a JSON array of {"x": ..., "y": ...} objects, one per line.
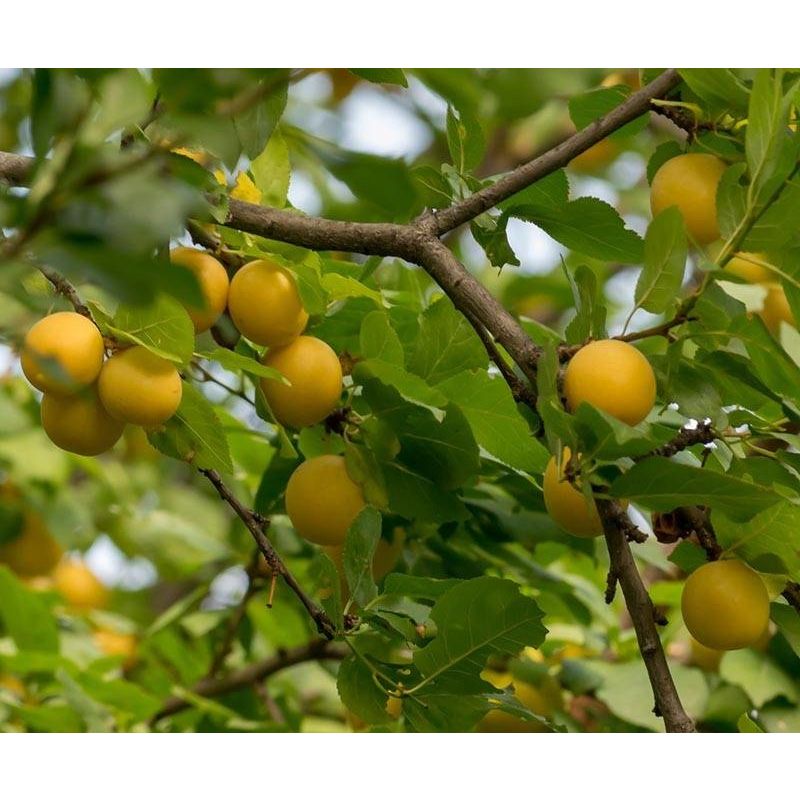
[
  {"x": 690, "y": 181},
  {"x": 213, "y": 281},
  {"x": 315, "y": 382},
  {"x": 139, "y": 387},
  {"x": 566, "y": 504},
  {"x": 613, "y": 376},
  {"x": 62, "y": 353},
  {"x": 78, "y": 585},
  {"x": 265, "y": 304},
  {"x": 725, "y": 605},
  {"x": 80, "y": 423},
  {"x": 322, "y": 500}
]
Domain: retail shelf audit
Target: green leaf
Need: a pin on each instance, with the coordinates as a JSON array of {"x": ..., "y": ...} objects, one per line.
[
  {"x": 474, "y": 620},
  {"x": 586, "y": 108},
  {"x": 339, "y": 287},
  {"x": 416, "y": 497},
  {"x": 552, "y": 191},
  {"x": 490, "y": 232},
  {"x": 379, "y": 339},
  {"x": 496, "y": 423},
  {"x": 163, "y": 327},
  {"x": 627, "y": 691},
  {"x": 359, "y": 549},
  {"x": 465, "y": 139},
  {"x": 51, "y": 718},
  {"x": 194, "y": 434},
  {"x": 758, "y": 675},
  {"x": 26, "y": 617},
  {"x": 770, "y": 541},
  {"x": 718, "y": 87},
  {"x": 770, "y": 150},
  {"x": 788, "y": 622},
  {"x": 589, "y": 226},
  {"x": 273, "y": 482},
  {"x": 418, "y": 586},
  {"x": 272, "y": 171},
  {"x": 446, "y": 345},
  {"x": 590, "y": 319},
  {"x": 254, "y": 127},
  {"x": 360, "y": 694},
  {"x": 665, "y": 250},
  {"x": 662, "y": 485},
  {"x": 382, "y": 75},
  {"x": 410, "y": 387},
  {"x": 308, "y": 275},
  {"x": 604, "y": 437},
  {"x": 236, "y": 362}
]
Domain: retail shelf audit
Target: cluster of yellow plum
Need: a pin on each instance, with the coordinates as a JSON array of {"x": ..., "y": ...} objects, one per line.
[
  {"x": 265, "y": 306},
  {"x": 690, "y": 183},
  {"x": 88, "y": 399}
]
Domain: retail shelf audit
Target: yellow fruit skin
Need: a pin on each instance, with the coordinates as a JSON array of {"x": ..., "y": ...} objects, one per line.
[
  {"x": 80, "y": 424},
  {"x": 68, "y": 339},
  {"x": 394, "y": 706},
  {"x": 725, "y": 605},
  {"x": 542, "y": 700},
  {"x": 113, "y": 643},
  {"x": 741, "y": 266},
  {"x": 34, "y": 552},
  {"x": 315, "y": 375},
  {"x": 322, "y": 500},
  {"x": 78, "y": 585},
  {"x": 690, "y": 182},
  {"x": 596, "y": 157},
  {"x": 14, "y": 685},
  {"x": 612, "y": 376},
  {"x": 776, "y": 308},
  {"x": 213, "y": 280},
  {"x": 265, "y": 304},
  {"x": 566, "y": 505},
  {"x": 139, "y": 387},
  {"x": 704, "y": 657}
]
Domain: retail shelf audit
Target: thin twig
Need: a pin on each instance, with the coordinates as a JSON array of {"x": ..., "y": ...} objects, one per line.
[
  {"x": 318, "y": 650},
  {"x": 256, "y": 525}
]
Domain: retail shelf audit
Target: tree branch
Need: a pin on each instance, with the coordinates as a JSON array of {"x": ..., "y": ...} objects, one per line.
[
  {"x": 642, "y": 612},
  {"x": 318, "y": 650},
  {"x": 256, "y": 524},
  {"x": 559, "y": 156}
]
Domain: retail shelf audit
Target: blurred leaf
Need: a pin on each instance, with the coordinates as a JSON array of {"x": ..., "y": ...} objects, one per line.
[
  {"x": 272, "y": 171},
  {"x": 386, "y": 75},
  {"x": 590, "y": 319},
  {"x": 758, "y": 676},
  {"x": 26, "y": 616},
  {"x": 256, "y": 125}
]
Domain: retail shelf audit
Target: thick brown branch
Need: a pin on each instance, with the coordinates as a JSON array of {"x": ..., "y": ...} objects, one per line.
[
  {"x": 255, "y": 524},
  {"x": 317, "y": 650},
  {"x": 515, "y": 181},
  {"x": 642, "y": 612}
]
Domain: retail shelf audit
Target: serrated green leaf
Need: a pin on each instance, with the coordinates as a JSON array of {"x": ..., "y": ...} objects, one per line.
[
  {"x": 272, "y": 171},
  {"x": 662, "y": 485},
  {"x": 359, "y": 550},
  {"x": 194, "y": 434},
  {"x": 665, "y": 251},
  {"x": 474, "y": 620}
]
